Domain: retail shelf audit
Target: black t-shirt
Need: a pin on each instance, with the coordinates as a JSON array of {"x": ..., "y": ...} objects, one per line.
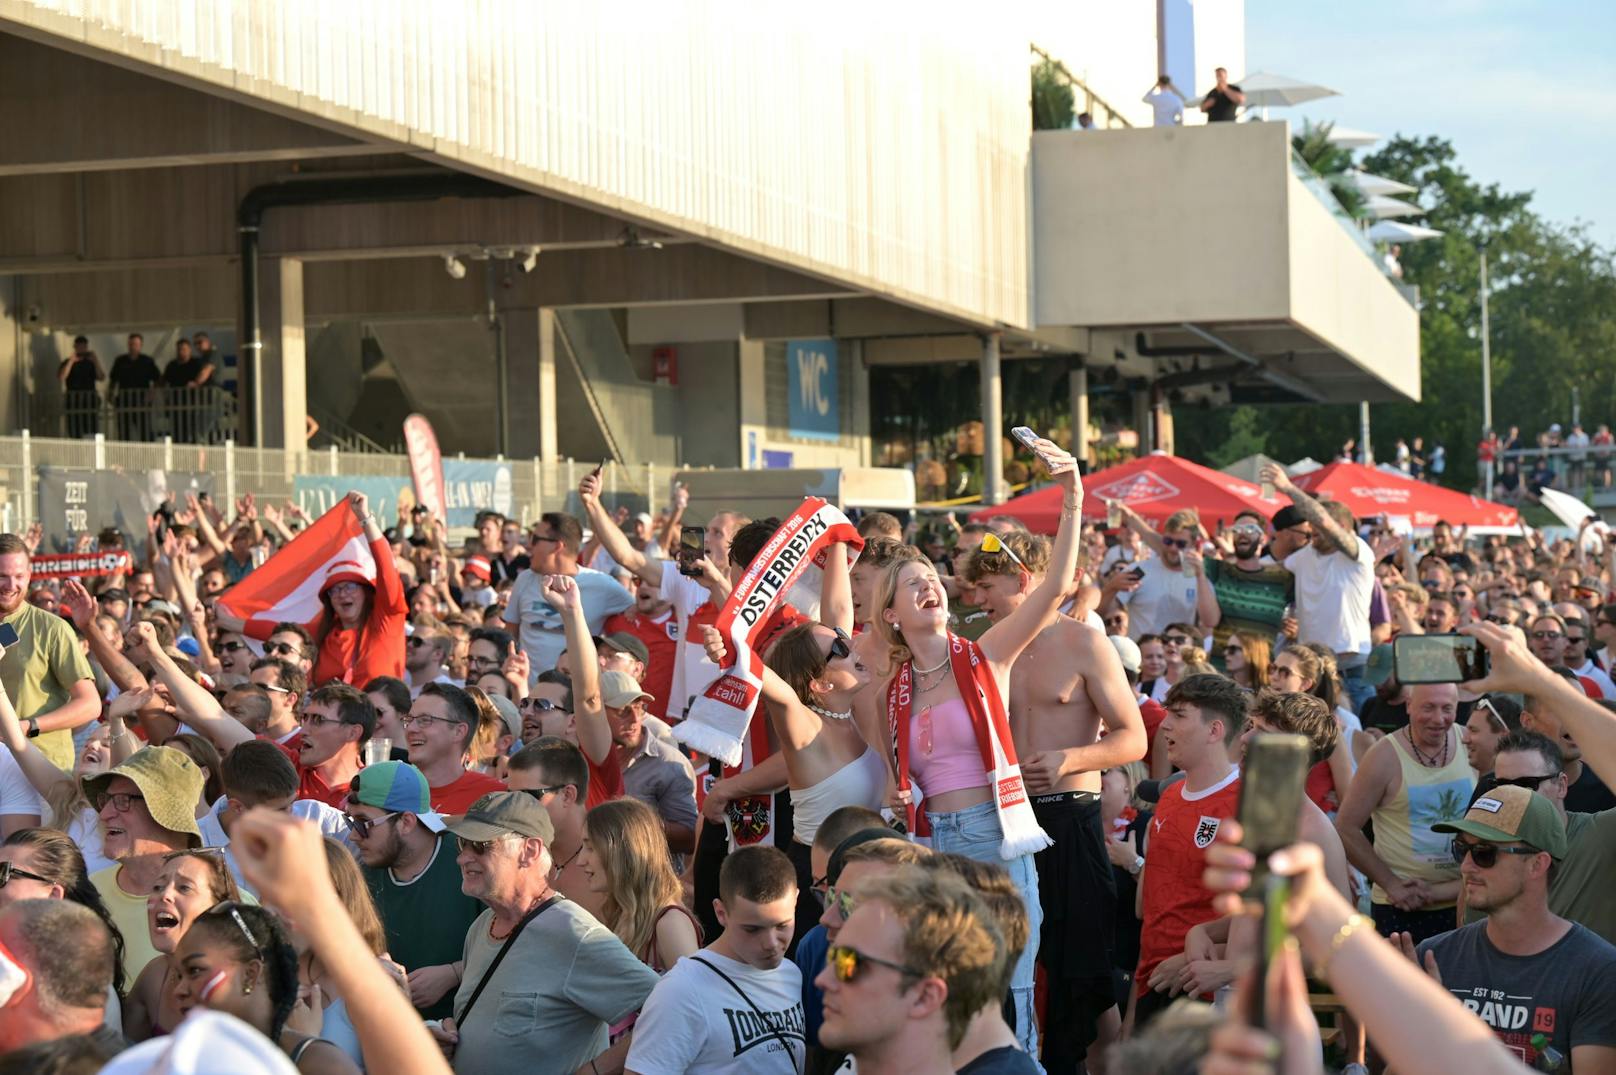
[
  {"x": 1005, "y": 1060},
  {"x": 180, "y": 374},
  {"x": 133, "y": 372},
  {"x": 502, "y": 570},
  {"x": 1588, "y": 795},
  {"x": 1223, "y": 108},
  {"x": 81, "y": 375}
]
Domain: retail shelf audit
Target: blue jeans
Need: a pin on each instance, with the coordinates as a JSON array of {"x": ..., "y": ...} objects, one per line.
[
  {"x": 974, "y": 832},
  {"x": 1358, "y": 689}
]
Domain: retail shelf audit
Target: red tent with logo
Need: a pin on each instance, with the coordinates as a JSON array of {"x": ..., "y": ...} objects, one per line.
[
  {"x": 1369, "y": 491},
  {"x": 1155, "y": 486}
]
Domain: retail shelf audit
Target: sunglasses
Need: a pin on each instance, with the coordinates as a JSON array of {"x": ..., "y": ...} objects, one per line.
[
  {"x": 232, "y": 646},
  {"x": 1176, "y": 543},
  {"x": 241, "y": 923},
  {"x": 361, "y": 826},
  {"x": 1485, "y": 856},
  {"x": 1544, "y": 636},
  {"x": 9, "y": 870},
  {"x": 847, "y": 964},
  {"x": 540, "y": 793},
  {"x": 841, "y": 647},
  {"x": 1530, "y": 783},
  {"x": 1234, "y": 649},
  {"x": 476, "y": 847},
  {"x": 993, "y": 543},
  {"x": 1493, "y": 617},
  {"x": 278, "y": 648},
  {"x": 543, "y": 705},
  {"x": 1176, "y": 640},
  {"x": 841, "y": 899}
]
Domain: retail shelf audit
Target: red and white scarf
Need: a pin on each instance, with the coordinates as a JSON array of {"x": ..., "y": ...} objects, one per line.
[
  {"x": 786, "y": 569},
  {"x": 985, "y": 706}
]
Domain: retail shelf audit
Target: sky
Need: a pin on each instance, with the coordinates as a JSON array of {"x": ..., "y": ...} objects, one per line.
[{"x": 1524, "y": 89}]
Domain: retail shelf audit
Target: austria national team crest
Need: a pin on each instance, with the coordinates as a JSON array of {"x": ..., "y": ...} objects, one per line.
[
  {"x": 1207, "y": 831},
  {"x": 1140, "y": 488}
]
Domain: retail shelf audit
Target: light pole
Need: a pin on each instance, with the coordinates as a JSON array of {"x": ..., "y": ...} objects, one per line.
[{"x": 1486, "y": 374}]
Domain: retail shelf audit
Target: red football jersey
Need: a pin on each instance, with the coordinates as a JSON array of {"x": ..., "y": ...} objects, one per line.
[
  {"x": 661, "y": 638},
  {"x": 1175, "y": 857}
]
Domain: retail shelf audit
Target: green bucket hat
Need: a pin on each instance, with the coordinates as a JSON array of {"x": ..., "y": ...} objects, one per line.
[{"x": 170, "y": 782}]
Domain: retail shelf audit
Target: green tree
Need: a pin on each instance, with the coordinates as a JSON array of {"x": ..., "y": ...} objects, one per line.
[
  {"x": 1553, "y": 312},
  {"x": 1051, "y": 97},
  {"x": 1331, "y": 163}
]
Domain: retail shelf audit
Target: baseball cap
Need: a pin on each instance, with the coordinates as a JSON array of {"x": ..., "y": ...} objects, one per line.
[
  {"x": 170, "y": 782},
  {"x": 1378, "y": 669},
  {"x": 116, "y": 593},
  {"x": 396, "y": 786},
  {"x": 206, "y": 1041},
  {"x": 1287, "y": 517},
  {"x": 477, "y": 567},
  {"x": 507, "y": 714},
  {"x": 504, "y": 813},
  {"x": 1128, "y": 650},
  {"x": 618, "y": 689},
  {"x": 623, "y": 642},
  {"x": 1512, "y": 815},
  {"x": 166, "y": 607}
]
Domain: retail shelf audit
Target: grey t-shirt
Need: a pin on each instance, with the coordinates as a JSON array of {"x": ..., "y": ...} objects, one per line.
[
  {"x": 1560, "y": 998},
  {"x": 548, "y": 1006}
]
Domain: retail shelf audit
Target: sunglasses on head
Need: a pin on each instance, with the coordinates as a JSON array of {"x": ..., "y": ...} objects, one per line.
[
  {"x": 993, "y": 543},
  {"x": 9, "y": 870},
  {"x": 848, "y": 964},
  {"x": 1485, "y": 856}
]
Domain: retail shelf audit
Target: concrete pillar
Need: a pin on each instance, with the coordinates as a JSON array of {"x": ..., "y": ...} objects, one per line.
[
  {"x": 280, "y": 289},
  {"x": 1143, "y": 421},
  {"x": 992, "y": 422},
  {"x": 530, "y": 383},
  {"x": 1077, "y": 387},
  {"x": 1163, "y": 421},
  {"x": 861, "y": 402},
  {"x": 754, "y": 424}
]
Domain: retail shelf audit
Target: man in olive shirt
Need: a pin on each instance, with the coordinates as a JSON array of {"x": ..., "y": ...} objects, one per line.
[
  {"x": 45, "y": 673},
  {"x": 409, "y": 866},
  {"x": 1581, "y": 887}
]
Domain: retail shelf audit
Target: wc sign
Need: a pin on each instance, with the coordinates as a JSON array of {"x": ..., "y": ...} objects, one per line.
[{"x": 811, "y": 381}]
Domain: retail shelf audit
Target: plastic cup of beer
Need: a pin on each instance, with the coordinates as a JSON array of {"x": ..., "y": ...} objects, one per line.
[{"x": 378, "y": 750}]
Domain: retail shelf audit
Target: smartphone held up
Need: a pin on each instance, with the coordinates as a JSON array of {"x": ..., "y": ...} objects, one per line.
[
  {"x": 1438, "y": 659},
  {"x": 691, "y": 550}
]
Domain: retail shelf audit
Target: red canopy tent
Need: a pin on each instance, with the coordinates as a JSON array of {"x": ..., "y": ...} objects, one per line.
[
  {"x": 1369, "y": 491},
  {"x": 1155, "y": 486}
]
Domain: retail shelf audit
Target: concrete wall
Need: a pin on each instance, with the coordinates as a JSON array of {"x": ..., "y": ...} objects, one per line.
[{"x": 891, "y": 159}]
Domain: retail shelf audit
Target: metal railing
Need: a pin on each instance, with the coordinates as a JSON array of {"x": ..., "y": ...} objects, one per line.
[
  {"x": 1092, "y": 100},
  {"x": 537, "y": 485},
  {"x": 1587, "y": 473},
  {"x": 203, "y": 415}
]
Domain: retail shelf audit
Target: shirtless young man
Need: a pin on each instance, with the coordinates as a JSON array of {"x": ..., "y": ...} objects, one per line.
[{"x": 1067, "y": 683}]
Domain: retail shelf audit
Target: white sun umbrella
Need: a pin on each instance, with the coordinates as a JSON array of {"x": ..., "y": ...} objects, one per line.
[
  {"x": 1265, "y": 90},
  {"x": 1381, "y": 207},
  {"x": 1396, "y": 231},
  {"x": 1352, "y": 138},
  {"x": 1379, "y": 184}
]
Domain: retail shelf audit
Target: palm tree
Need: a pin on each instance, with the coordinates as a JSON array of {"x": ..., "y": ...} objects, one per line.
[
  {"x": 1331, "y": 163},
  {"x": 1051, "y": 97}
]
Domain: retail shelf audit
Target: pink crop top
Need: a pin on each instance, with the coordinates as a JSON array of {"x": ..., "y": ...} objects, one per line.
[{"x": 943, "y": 752}]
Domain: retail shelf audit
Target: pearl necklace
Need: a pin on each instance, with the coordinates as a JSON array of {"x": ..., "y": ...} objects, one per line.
[{"x": 831, "y": 715}]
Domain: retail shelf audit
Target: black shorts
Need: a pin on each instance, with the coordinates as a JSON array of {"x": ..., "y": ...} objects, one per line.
[{"x": 1078, "y": 894}]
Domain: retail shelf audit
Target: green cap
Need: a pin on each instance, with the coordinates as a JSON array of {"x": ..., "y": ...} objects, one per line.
[
  {"x": 1378, "y": 669},
  {"x": 504, "y": 813},
  {"x": 170, "y": 782},
  {"x": 398, "y": 787},
  {"x": 1508, "y": 815}
]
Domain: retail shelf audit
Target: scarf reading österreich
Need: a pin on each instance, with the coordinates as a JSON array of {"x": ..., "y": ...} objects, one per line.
[
  {"x": 792, "y": 559},
  {"x": 1022, "y": 833}
]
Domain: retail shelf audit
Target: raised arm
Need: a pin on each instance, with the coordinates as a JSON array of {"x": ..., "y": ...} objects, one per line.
[
  {"x": 668, "y": 531},
  {"x": 1136, "y": 522},
  {"x": 1005, "y": 640},
  {"x": 1207, "y": 610},
  {"x": 1343, "y": 538},
  {"x": 836, "y": 590},
  {"x": 195, "y": 703},
  {"x": 204, "y": 526},
  {"x": 78, "y": 603},
  {"x": 285, "y": 863},
  {"x": 588, "y": 710},
  {"x": 41, "y": 772},
  {"x": 611, "y": 538}
]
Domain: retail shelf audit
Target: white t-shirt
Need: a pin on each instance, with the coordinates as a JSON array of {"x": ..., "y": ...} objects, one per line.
[
  {"x": 1332, "y": 597},
  {"x": 543, "y": 638},
  {"x": 1164, "y": 596},
  {"x": 692, "y": 671},
  {"x": 328, "y": 818},
  {"x": 1168, "y": 106},
  {"x": 85, "y": 831},
  {"x": 694, "y": 1021},
  {"x": 1590, "y": 670},
  {"x": 17, "y": 795}
]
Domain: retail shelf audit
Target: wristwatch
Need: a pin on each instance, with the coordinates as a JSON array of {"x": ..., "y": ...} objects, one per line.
[
  {"x": 1138, "y": 864},
  {"x": 33, "y": 727}
]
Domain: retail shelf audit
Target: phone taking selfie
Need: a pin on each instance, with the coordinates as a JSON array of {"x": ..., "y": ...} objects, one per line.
[
  {"x": 1438, "y": 659},
  {"x": 8, "y": 635},
  {"x": 692, "y": 548},
  {"x": 1273, "y": 780}
]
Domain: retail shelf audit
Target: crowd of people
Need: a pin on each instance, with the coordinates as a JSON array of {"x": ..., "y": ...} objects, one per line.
[{"x": 985, "y": 820}]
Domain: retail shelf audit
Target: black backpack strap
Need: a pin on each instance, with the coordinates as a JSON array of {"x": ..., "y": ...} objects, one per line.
[
  {"x": 499, "y": 957},
  {"x": 762, "y": 1019}
]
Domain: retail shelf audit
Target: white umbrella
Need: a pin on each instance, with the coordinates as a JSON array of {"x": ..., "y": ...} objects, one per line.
[
  {"x": 1377, "y": 184},
  {"x": 1265, "y": 90},
  {"x": 1352, "y": 139},
  {"x": 1381, "y": 207},
  {"x": 1395, "y": 231}
]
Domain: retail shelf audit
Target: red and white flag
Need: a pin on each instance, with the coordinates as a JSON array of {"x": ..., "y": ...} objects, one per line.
[
  {"x": 426, "y": 466},
  {"x": 286, "y": 587}
]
